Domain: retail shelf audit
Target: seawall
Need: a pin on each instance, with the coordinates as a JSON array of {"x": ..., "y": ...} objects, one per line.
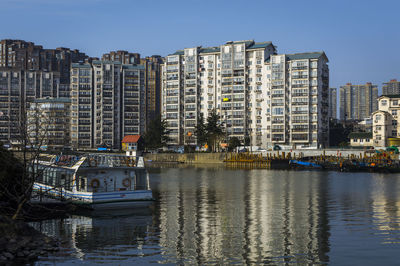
[{"x": 186, "y": 157}]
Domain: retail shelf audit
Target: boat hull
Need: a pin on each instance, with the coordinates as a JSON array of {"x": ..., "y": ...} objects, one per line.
[{"x": 101, "y": 200}]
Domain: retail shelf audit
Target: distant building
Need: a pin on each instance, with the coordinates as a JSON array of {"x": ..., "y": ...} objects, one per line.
[
  {"x": 361, "y": 139},
  {"x": 332, "y": 113},
  {"x": 124, "y": 57},
  {"x": 152, "y": 66},
  {"x": 49, "y": 123},
  {"x": 357, "y": 101},
  {"x": 391, "y": 88},
  {"x": 18, "y": 89},
  {"x": 386, "y": 120}
]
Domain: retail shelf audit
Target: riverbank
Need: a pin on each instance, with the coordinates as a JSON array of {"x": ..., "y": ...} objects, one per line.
[{"x": 20, "y": 243}]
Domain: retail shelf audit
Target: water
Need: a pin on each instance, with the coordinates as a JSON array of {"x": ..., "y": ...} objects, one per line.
[{"x": 220, "y": 216}]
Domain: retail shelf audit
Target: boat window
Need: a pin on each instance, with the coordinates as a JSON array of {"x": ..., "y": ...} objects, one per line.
[{"x": 83, "y": 184}]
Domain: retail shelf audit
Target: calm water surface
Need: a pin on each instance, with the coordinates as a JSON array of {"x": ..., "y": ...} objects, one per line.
[{"x": 221, "y": 216}]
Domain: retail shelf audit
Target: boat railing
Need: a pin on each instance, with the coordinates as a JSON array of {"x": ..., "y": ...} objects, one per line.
[{"x": 96, "y": 160}]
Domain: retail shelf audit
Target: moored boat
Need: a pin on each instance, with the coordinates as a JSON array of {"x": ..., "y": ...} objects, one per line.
[{"x": 96, "y": 181}]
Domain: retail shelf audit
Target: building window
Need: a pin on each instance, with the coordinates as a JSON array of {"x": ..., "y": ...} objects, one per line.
[
  {"x": 383, "y": 102},
  {"x": 396, "y": 102}
]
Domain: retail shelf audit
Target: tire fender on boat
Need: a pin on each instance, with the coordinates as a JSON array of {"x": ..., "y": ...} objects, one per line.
[
  {"x": 93, "y": 162},
  {"x": 126, "y": 182},
  {"x": 95, "y": 183}
]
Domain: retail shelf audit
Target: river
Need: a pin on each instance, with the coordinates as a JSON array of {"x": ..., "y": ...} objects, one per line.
[{"x": 214, "y": 215}]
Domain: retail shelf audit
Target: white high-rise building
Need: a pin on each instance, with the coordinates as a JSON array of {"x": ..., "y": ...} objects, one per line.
[
  {"x": 198, "y": 80},
  {"x": 252, "y": 89},
  {"x": 107, "y": 103},
  {"x": 297, "y": 101}
]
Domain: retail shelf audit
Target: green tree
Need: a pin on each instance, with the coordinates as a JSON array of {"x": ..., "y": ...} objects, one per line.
[
  {"x": 157, "y": 134},
  {"x": 233, "y": 143},
  {"x": 201, "y": 132},
  {"x": 214, "y": 129}
]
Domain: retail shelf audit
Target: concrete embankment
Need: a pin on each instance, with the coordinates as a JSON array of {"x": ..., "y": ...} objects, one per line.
[
  {"x": 197, "y": 158},
  {"x": 218, "y": 158}
]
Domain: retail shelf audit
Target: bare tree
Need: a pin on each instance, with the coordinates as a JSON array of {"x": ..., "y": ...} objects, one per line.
[{"x": 33, "y": 128}]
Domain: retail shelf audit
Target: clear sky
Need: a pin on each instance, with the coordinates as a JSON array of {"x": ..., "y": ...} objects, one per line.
[{"x": 360, "y": 38}]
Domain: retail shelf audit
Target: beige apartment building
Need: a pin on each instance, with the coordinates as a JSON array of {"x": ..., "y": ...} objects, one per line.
[
  {"x": 391, "y": 88},
  {"x": 386, "y": 120},
  {"x": 107, "y": 103},
  {"x": 267, "y": 98},
  {"x": 298, "y": 100},
  {"x": 358, "y": 101}
]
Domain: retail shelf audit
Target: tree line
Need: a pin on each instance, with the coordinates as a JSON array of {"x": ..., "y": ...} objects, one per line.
[{"x": 210, "y": 132}]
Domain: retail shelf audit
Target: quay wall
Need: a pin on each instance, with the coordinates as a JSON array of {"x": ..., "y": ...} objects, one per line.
[
  {"x": 200, "y": 158},
  {"x": 186, "y": 157}
]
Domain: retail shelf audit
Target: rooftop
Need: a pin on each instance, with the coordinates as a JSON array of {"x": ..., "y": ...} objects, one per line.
[
  {"x": 394, "y": 96},
  {"x": 311, "y": 55},
  {"x": 131, "y": 139},
  {"x": 360, "y": 135},
  {"x": 250, "y": 44}
]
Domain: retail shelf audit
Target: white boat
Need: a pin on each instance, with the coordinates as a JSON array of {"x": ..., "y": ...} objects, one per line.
[{"x": 96, "y": 181}]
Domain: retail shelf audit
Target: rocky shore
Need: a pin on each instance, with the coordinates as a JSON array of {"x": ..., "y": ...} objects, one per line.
[{"x": 20, "y": 243}]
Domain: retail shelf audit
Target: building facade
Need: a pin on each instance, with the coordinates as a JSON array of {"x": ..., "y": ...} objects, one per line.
[
  {"x": 386, "y": 120},
  {"x": 49, "y": 123},
  {"x": 18, "y": 89},
  {"x": 259, "y": 95},
  {"x": 198, "y": 80},
  {"x": 391, "y": 88},
  {"x": 107, "y": 103},
  {"x": 82, "y": 106},
  {"x": 297, "y": 113},
  {"x": 332, "y": 103},
  {"x": 124, "y": 57},
  {"x": 152, "y": 66},
  {"x": 358, "y": 101}
]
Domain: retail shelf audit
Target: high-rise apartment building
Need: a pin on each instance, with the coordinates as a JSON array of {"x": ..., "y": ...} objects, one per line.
[
  {"x": 333, "y": 103},
  {"x": 82, "y": 106},
  {"x": 152, "y": 66},
  {"x": 297, "y": 102},
  {"x": 198, "y": 80},
  {"x": 357, "y": 101},
  {"x": 259, "y": 95},
  {"x": 391, "y": 88},
  {"x": 124, "y": 57},
  {"x": 108, "y": 102},
  {"x": 19, "y": 88},
  {"x": 152, "y": 78},
  {"x": 133, "y": 100}
]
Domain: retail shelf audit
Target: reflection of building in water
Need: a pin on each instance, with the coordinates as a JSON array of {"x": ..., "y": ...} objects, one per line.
[
  {"x": 248, "y": 216},
  {"x": 91, "y": 236},
  {"x": 386, "y": 209}
]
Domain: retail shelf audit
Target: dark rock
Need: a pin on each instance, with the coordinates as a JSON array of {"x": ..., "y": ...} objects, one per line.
[
  {"x": 8, "y": 255},
  {"x": 12, "y": 248},
  {"x": 2, "y": 258},
  {"x": 20, "y": 254}
]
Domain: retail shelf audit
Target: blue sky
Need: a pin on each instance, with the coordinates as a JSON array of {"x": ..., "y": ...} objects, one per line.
[{"x": 360, "y": 38}]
